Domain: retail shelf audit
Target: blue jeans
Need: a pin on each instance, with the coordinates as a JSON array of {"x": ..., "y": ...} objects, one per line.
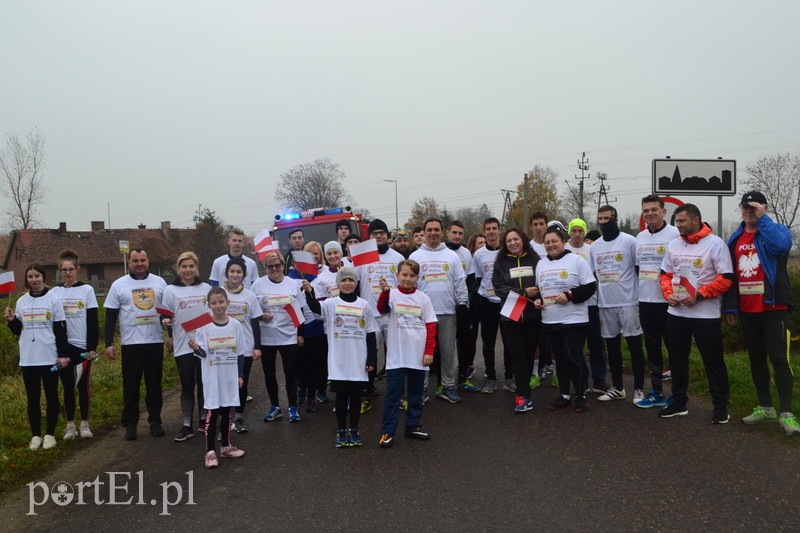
[{"x": 395, "y": 380}]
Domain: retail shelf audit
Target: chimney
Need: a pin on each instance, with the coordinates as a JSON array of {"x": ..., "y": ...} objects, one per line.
[
  {"x": 62, "y": 227},
  {"x": 142, "y": 226},
  {"x": 98, "y": 225},
  {"x": 165, "y": 227}
]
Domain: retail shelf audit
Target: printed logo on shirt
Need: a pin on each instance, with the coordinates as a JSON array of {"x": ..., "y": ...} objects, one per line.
[
  {"x": 144, "y": 299},
  {"x": 661, "y": 250},
  {"x": 563, "y": 274},
  {"x": 698, "y": 262},
  {"x": 619, "y": 257},
  {"x": 748, "y": 265}
]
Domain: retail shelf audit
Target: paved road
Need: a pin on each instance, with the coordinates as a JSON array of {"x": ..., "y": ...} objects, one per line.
[{"x": 615, "y": 468}]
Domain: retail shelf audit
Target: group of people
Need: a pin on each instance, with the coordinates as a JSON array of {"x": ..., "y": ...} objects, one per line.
[{"x": 423, "y": 305}]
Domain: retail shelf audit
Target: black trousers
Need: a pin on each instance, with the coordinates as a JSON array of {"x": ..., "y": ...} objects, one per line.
[
  {"x": 289, "y": 360},
  {"x": 522, "y": 338},
  {"x": 490, "y": 323},
  {"x": 707, "y": 334},
  {"x": 248, "y": 365},
  {"x": 567, "y": 345},
  {"x": 142, "y": 360},
  {"x": 68, "y": 379},
  {"x": 312, "y": 359},
  {"x": 35, "y": 379},
  {"x": 653, "y": 318},
  {"x": 766, "y": 336}
]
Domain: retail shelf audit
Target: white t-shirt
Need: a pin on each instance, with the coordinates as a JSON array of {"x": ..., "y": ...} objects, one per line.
[
  {"x": 177, "y": 299},
  {"x": 37, "y": 342},
  {"x": 243, "y": 307},
  {"x": 615, "y": 265},
  {"x": 699, "y": 264},
  {"x": 539, "y": 249},
  {"x": 223, "y": 345},
  {"x": 273, "y": 297},
  {"x": 466, "y": 260},
  {"x": 650, "y": 250},
  {"x": 325, "y": 284},
  {"x": 441, "y": 278},
  {"x": 370, "y": 276},
  {"x": 557, "y": 277},
  {"x": 405, "y": 342},
  {"x": 347, "y": 325},
  {"x": 483, "y": 262},
  {"x": 76, "y": 300},
  {"x": 584, "y": 253},
  {"x": 136, "y": 300},
  {"x": 218, "y": 270}
]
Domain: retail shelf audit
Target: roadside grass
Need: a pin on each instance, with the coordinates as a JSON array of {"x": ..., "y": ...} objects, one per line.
[{"x": 18, "y": 465}]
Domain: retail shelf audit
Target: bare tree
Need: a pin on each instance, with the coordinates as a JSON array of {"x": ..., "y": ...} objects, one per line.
[
  {"x": 317, "y": 184},
  {"x": 778, "y": 177},
  {"x": 423, "y": 209},
  {"x": 22, "y": 178}
]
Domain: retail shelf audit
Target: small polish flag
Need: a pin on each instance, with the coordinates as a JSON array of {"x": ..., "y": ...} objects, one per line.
[
  {"x": 7, "y": 284},
  {"x": 686, "y": 284},
  {"x": 194, "y": 317},
  {"x": 364, "y": 253},
  {"x": 514, "y": 306},
  {"x": 163, "y": 311},
  {"x": 295, "y": 312},
  {"x": 304, "y": 262},
  {"x": 264, "y": 244}
]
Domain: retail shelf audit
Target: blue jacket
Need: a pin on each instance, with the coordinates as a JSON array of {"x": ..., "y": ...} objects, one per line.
[{"x": 773, "y": 243}]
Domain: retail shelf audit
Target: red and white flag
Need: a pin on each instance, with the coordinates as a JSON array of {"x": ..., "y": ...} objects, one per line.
[
  {"x": 295, "y": 312},
  {"x": 514, "y": 306},
  {"x": 163, "y": 311},
  {"x": 264, "y": 244},
  {"x": 194, "y": 317},
  {"x": 304, "y": 262},
  {"x": 364, "y": 253},
  {"x": 7, "y": 283}
]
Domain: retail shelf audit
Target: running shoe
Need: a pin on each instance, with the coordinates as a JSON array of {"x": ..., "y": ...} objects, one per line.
[
  {"x": 156, "y": 430},
  {"x": 322, "y": 397},
  {"x": 239, "y": 426},
  {"x": 386, "y": 441},
  {"x": 673, "y": 410},
  {"x": 372, "y": 391},
  {"x": 70, "y": 432},
  {"x": 403, "y": 405},
  {"x": 467, "y": 386},
  {"x": 720, "y": 415},
  {"x": 85, "y": 432},
  {"x": 559, "y": 404},
  {"x": 301, "y": 398},
  {"x": 535, "y": 381},
  {"x": 666, "y": 375},
  {"x": 341, "y": 438},
  {"x": 612, "y": 393},
  {"x": 185, "y": 433},
  {"x": 425, "y": 399},
  {"x": 231, "y": 452},
  {"x": 550, "y": 369},
  {"x": 48, "y": 442},
  {"x": 554, "y": 381},
  {"x": 416, "y": 432},
  {"x": 130, "y": 432},
  {"x": 523, "y": 405},
  {"x": 355, "y": 438},
  {"x": 509, "y": 385},
  {"x": 274, "y": 413},
  {"x": 760, "y": 414},
  {"x": 449, "y": 394},
  {"x": 638, "y": 396},
  {"x": 249, "y": 399},
  {"x": 294, "y": 416},
  {"x": 581, "y": 404},
  {"x": 311, "y": 406},
  {"x": 787, "y": 422},
  {"x": 653, "y": 399},
  {"x": 470, "y": 372},
  {"x": 490, "y": 386},
  {"x": 366, "y": 405},
  {"x": 599, "y": 387},
  {"x": 211, "y": 459},
  {"x": 36, "y": 443}
]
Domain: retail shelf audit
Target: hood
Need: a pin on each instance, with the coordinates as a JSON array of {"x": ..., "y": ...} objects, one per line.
[{"x": 694, "y": 238}]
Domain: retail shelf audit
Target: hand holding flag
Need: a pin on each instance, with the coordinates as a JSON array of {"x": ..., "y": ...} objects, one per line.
[
  {"x": 194, "y": 318},
  {"x": 514, "y": 306},
  {"x": 295, "y": 312}
]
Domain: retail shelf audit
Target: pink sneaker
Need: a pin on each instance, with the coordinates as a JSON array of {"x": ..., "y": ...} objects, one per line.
[
  {"x": 231, "y": 452},
  {"x": 211, "y": 459}
]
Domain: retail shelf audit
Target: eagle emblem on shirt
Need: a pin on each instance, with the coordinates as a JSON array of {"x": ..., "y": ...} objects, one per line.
[{"x": 748, "y": 265}]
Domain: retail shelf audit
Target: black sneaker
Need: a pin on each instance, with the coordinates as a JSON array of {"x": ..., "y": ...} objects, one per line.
[
  {"x": 673, "y": 410},
  {"x": 156, "y": 430},
  {"x": 720, "y": 415},
  {"x": 581, "y": 405},
  {"x": 416, "y": 432},
  {"x": 130, "y": 432},
  {"x": 386, "y": 441},
  {"x": 372, "y": 391},
  {"x": 311, "y": 406},
  {"x": 559, "y": 404},
  {"x": 185, "y": 433}
]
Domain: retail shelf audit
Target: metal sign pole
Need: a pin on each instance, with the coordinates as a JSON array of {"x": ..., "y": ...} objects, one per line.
[{"x": 719, "y": 217}]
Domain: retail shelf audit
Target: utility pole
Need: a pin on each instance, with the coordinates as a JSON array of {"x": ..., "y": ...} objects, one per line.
[
  {"x": 507, "y": 204},
  {"x": 396, "y": 210},
  {"x": 583, "y": 165},
  {"x": 525, "y": 201},
  {"x": 602, "y": 176}
]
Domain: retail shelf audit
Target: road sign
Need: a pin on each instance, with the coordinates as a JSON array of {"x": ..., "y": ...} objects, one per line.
[
  {"x": 694, "y": 177},
  {"x": 124, "y": 247}
]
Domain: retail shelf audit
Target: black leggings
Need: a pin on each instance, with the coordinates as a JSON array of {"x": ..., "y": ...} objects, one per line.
[
  {"x": 36, "y": 378},
  {"x": 567, "y": 345},
  {"x": 224, "y": 414},
  {"x": 766, "y": 338},
  {"x": 248, "y": 364},
  {"x": 312, "y": 358},
  {"x": 614, "y": 346},
  {"x": 191, "y": 374},
  {"x": 348, "y": 399},
  {"x": 289, "y": 360},
  {"x": 68, "y": 377}
]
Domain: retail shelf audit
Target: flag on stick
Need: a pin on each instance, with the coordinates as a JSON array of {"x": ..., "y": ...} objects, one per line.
[
  {"x": 514, "y": 306},
  {"x": 295, "y": 312},
  {"x": 304, "y": 262},
  {"x": 194, "y": 318},
  {"x": 7, "y": 284},
  {"x": 364, "y": 253}
]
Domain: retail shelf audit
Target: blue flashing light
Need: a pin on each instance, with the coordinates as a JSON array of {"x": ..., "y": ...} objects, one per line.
[
  {"x": 290, "y": 216},
  {"x": 333, "y": 211}
]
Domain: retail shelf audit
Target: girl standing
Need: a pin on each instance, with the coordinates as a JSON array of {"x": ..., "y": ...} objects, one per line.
[
  {"x": 80, "y": 311},
  {"x": 219, "y": 347},
  {"x": 410, "y": 345},
  {"x": 38, "y": 319}
]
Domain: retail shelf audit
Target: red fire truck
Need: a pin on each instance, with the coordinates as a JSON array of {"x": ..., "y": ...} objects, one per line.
[{"x": 318, "y": 224}]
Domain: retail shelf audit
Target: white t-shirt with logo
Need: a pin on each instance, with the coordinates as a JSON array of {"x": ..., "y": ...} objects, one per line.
[
  {"x": 223, "y": 345},
  {"x": 407, "y": 333},
  {"x": 539, "y": 249},
  {"x": 650, "y": 250},
  {"x": 614, "y": 263},
  {"x": 325, "y": 284},
  {"x": 347, "y": 325},
  {"x": 557, "y": 277},
  {"x": 136, "y": 300},
  {"x": 274, "y": 297},
  {"x": 483, "y": 261},
  {"x": 466, "y": 260},
  {"x": 178, "y": 299},
  {"x": 370, "y": 276},
  {"x": 584, "y": 253},
  {"x": 37, "y": 342},
  {"x": 441, "y": 278},
  {"x": 243, "y": 307},
  {"x": 218, "y": 270},
  {"x": 76, "y": 300},
  {"x": 699, "y": 264}
]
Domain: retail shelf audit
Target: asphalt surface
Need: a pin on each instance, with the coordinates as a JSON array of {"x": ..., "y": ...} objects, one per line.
[{"x": 615, "y": 468}]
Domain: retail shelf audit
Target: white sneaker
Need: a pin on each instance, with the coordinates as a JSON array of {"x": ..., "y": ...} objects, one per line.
[
  {"x": 638, "y": 395},
  {"x": 86, "y": 433},
  {"x": 70, "y": 432},
  {"x": 612, "y": 394},
  {"x": 49, "y": 442},
  {"x": 36, "y": 443}
]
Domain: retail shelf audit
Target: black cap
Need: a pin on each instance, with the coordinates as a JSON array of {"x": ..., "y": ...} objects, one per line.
[
  {"x": 753, "y": 196},
  {"x": 342, "y": 222},
  {"x": 378, "y": 224},
  {"x": 592, "y": 235},
  {"x": 352, "y": 237}
]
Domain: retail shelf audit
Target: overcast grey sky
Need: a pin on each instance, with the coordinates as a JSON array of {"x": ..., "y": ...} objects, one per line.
[{"x": 157, "y": 107}]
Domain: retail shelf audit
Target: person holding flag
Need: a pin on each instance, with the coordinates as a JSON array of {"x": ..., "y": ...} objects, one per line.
[
  {"x": 514, "y": 282},
  {"x": 281, "y": 320},
  {"x": 80, "y": 310},
  {"x": 235, "y": 249},
  {"x": 567, "y": 284},
  {"x": 696, "y": 271},
  {"x": 186, "y": 292}
]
